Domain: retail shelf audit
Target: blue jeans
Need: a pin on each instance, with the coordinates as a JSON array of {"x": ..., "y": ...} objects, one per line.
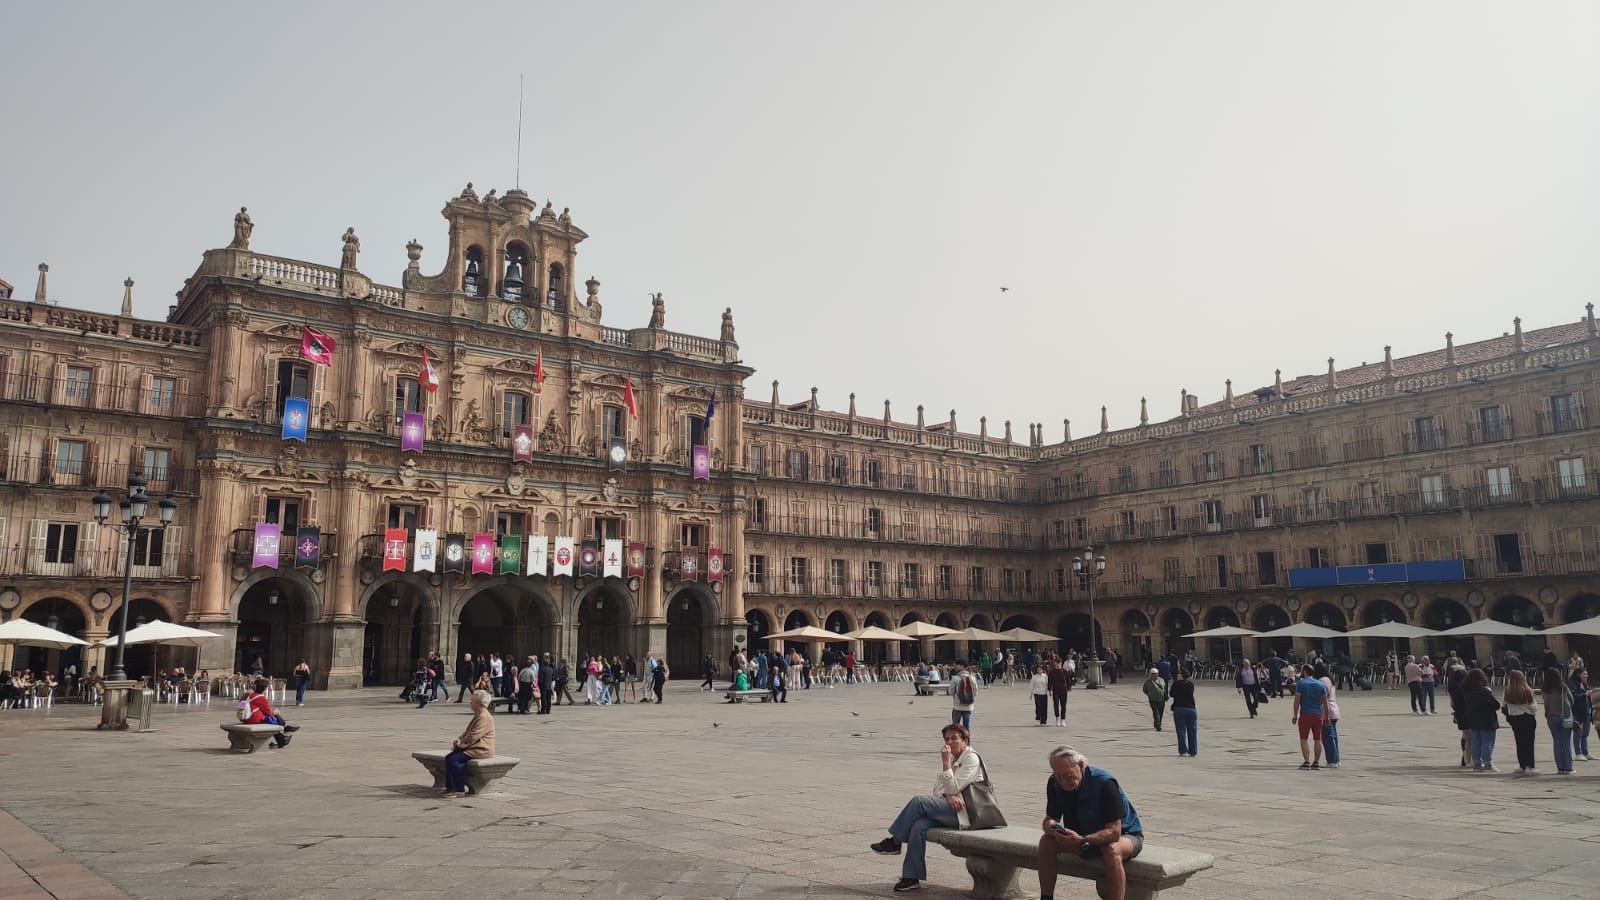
[
  {"x": 300, "y": 692},
  {"x": 1561, "y": 736},
  {"x": 962, "y": 718},
  {"x": 1580, "y": 738},
  {"x": 1427, "y": 694},
  {"x": 1186, "y": 722},
  {"x": 1330, "y": 740},
  {"x": 435, "y": 687},
  {"x": 921, "y": 812},
  {"x": 1481, "y": 740},
  {"x": 455, "y": 771}
]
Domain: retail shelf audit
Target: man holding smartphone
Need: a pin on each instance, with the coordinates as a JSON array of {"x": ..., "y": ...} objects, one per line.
[{"x": 1087, "y": 813}]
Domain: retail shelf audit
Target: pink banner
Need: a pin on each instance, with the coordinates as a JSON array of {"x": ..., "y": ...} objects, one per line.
[
  {"x": 483, "y": 554},
  {"x": 522, "y": 443},
  {"x": 714, "y": 564},
  {"x": 702, "y": 463},
  {"x": 268, "y": 536}
]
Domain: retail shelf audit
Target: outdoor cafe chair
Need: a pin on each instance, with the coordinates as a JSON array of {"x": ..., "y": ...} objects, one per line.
[
  {"x": 202, "y": 690},
  {"x": 43, "y": 695}
]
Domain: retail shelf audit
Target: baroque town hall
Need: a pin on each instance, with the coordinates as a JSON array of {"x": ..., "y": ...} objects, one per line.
[{"x": 1434, "y": 489}]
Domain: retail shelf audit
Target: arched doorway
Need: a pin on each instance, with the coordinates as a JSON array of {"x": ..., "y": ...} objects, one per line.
[
  {"x": 838, "y": 622},
  {"x": 62, "y": 615},
  {"x": 1268, "y": 617},
  {"x": 1523, "y": 613},
  {"x": 1326, "y": 615},
  {"x": 757, "y": 627},
  {"x": 1073, "y": 631},
  {"x": 400, "y": 618},
  {"x": 273, "y": 616},
  {"x": 1175, "y": 623},
  {"x": 605, "y": 613},
  {"x": 910, "y": 651},
  {"x": 945, "y": 651},
  {"x": 141, "y": 659},
  {"x": 875, "y": 652},
  {"x": 797, "y": 618},
  {"x": 1135, "y": 636},
  {"x": 691, "y": 612},
  {"x": 1380, "y": 612},
  {"x": 1221, "y": 617},
  {"x": 1444, "y": 613},
  {"x": 992, "y": 647}
]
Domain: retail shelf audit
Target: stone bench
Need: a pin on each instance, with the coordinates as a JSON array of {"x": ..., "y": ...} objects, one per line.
[
  {"x": 925, "y": 688},
  {"x": 994, "y": 855},
  {"x": 741, "y": 696},
  {"x": 498, "y": 702},
  {"x": 479, "y": 771},
  {"x": 250, "y": 738}
]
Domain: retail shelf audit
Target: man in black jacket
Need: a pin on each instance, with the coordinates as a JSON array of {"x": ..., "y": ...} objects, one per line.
[
  {"x": 463, "y": 676},
  {"x": 547, "y": 684}
]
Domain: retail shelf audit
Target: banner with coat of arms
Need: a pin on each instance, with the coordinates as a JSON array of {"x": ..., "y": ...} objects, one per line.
[
  {"x": 714, "y": 564},
  {"x": 455, "y": 552},
  {"x": 563, "y": 556},
  {"x": 690, "y": 565},
  {"x": 483, "y": 554},
  {"x": 308, "y": 548},
  {"x": 511, "y": 554},
  {"x": 613, "y": 559},
  {"x": 636, "y": 559},
  {"x": 394, "y": 549},
  {"x": 426, "y": 555}
]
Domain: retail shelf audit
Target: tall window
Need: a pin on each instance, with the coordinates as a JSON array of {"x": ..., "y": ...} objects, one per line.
[
  {"x": 1311, "y": 500},
  {"x": 79, "y": 379},
  {"x": 1261, "y": 507},
  {"x": 285, "y": 511},
  {"x": 147, "y": 547},
  {"x": 694, "y": 430},
  {"x": 163, "y": 394},
  {"x": 505, "y": 522},
  {"x": 514, "y": 406},
  {"x": 755, "y": 569},
  {"x": 409, "y": 515},
  {"x": 1008, "y": 580},
  {"x": 1212, "y": 510},
  {"x": 1319, "y": 558},
  {"x": 758, "y": 459},
  {"x": 1570, "y": 471},
  {"x": 1427, "y": 431},
  {"x": 799, "y": 465},
  {"x": 61, "y": 543},
  {"x": 157, "y": 462},
  {"x": 799, "y": 572},
  {"x": 911, "y": 577},
  {"x": 908, "y": 477},
  {"x": 838, "y": 574},
  {"x": 691, "y": 535},
  {"x": 874, "y": 577},
  {"x": 1563, "y": 412},
  {"x": 294, "y": 380},
  {"x": 908, "y": 525},
  {"x": 838, "y": 469},
  {"x": 70, "y": 457},
  {"x": 1432, "y": 490},
  {"x": 758, "y": 513},
  {"x": 977, "y": 579},
  {"x": 871, "y": 472},
  {"x": 947, "y": 578},
  {"x": 407, "y": 397},
  {"x": 872, "y": 520},
  {"x": 607, "y": 528},
  {"x": 1498, "y": 480},
  {"x": 1266, "y": 568},
  {"x": 1169, "y": 518},
  {"x": 1491, "y": 423}
]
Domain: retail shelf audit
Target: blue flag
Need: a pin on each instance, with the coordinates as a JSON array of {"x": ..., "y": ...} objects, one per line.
[
  {"x": 711, "y": 410},
  {"x": 296, "y": 415}
]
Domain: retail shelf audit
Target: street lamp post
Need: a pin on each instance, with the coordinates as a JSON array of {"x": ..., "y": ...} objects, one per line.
[
  {"x": 1089, "y": 567},
  {"x": 134, "y": 508}
]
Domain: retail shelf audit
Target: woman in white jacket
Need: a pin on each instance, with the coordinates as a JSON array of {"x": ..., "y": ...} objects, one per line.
[{"x": 959, "y": 767}]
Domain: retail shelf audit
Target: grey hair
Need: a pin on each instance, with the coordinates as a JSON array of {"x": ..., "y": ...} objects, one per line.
[
  {"x": 483, "y": 698},
  {"x": 1066, "y": 751}
]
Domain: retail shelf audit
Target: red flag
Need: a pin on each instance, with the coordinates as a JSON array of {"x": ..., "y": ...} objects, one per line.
[
  {"x": 394, "y": 549},
  {"x": 627, "y": 399},
  {"x": 316, "y": 346},
  {"x": 428, "y": 378},
  {"x": 538, "y": 372}
]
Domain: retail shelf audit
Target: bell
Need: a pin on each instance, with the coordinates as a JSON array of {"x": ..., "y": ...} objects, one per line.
[
  {"x": 514, "y": 274},
  {"x": 472, "y": 268}
]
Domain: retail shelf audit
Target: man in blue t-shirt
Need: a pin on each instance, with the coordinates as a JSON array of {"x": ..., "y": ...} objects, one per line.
[
  {"x": 1087, "y": 814},
  {"x": 1309, "y": 697}
]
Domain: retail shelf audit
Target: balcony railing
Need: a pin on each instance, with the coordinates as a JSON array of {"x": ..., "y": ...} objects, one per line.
[
  {"x": 1559, "y": 422},
  {"x": 127, "y": 399},
  {"x": 242, "y": 547},
  {"x": 1306, "y": 457},
  {"x": 1369, "y": 448},
  {"x": 1163, "y": 478},
  {"x": 1491, "y": 432},
  {"x": 1256, "y": 464},
  {"x": 94, "y": 473},
  {"x": 1122, "y": 484},
  {"x": 1422, "y": 441},
  {"x": 1212, "y": 472}
]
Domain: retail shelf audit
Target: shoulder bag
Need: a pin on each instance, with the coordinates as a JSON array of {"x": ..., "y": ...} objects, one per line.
[{"x": 983, "y": 810}]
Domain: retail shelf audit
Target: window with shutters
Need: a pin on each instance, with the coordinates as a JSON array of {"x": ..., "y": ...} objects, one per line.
[
  {"x": 758, "y": 514},
  {"x": 1432, "y": 490},
  {"x": 514, "y": 406},
  {"x": 157, "y": 465},
  {"x": 70, "y": 457},
  {"x": 871, "y": 472},
  {"x": 1172, "y": 574},
  {"x": 1061, "y": 580},
  {"x": 758, "y": 459},
  {"x": 75, "y": 389},
  {"x": 1435, "y": 548},
  {"x": 908, "y": 477},
  {"x": 163, "y": 397},
  {"x": 1497, "y": 480},
  {"x": 1569, "y": 474},
  {"x": 284, "y": 511},
  {"x": 1126, "y": 526},
  {"x": 838, "y": 575},
  {"x": 409, "y": 515},
  {"x": 1169, "y": 519},
  {"x": 1311, "y": 501},
  {"x": 1319, "y": 558},
  {"x": 1566, "y": 413},
  {"x": 872, "y": 522},
  {"x": 947, "y": 579},
  {"x": 976, "y": 579},
  {"x": 838, "y": 468},
  {"x": 607, "y": 528},
  {"x": 1219, "y": 566},
  {"x": 691, "y": 535},
  {"x": 1211, "y": 512},
  {"x": 147, "y": 549},
  {"x": 294, "y": 380},
  {"x": 836, "y": 520},
  {"x": 910, "y": 579},
  {"x": 694, "y": 430},
  {"x": 798, "y": 465},
  {"x": 799, "y": 573},
  {"x": 505, "y": 522},
  {"x": 1508, "y": 553},
  {"x": 1027, "y": 581},
  {"x": 1261, "y": 509},
  {"x": 799, "y": 517},
  {"x": 1266, "y": 568},
  {"x": 874, "y": 578},
  {"x": 755, "y": 570},
  {"x": 61, "y": 547},
  {"x": 407, "y": 396},
  {"x": 1080, "y": 529},
  {"x": 908, "y": 525},
  {"x": 1492, "y": 425},
  {"x": 1376, "y": 553}
]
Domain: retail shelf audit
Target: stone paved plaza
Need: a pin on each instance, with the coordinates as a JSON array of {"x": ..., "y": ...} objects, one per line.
[{"x": 697, "y": 798}]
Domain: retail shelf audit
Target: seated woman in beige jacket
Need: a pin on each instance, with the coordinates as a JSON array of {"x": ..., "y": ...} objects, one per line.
[{"x": 477, "y": 742}]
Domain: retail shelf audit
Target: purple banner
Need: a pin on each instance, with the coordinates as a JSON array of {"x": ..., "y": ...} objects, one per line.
[
  {"x": 266, "y": 552},
  {"x": 702, "y": 463},
  {"x": 412, "y": 431}
]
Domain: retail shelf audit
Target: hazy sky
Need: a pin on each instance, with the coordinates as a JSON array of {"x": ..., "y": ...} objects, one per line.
[{"x": 1175, "y": 194}]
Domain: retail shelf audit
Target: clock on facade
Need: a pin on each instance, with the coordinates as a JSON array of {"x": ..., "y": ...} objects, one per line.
[{"x": 518, "y": 317}]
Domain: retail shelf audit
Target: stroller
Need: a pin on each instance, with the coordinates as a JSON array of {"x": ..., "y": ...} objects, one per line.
[{"x": 415, "y": 688}]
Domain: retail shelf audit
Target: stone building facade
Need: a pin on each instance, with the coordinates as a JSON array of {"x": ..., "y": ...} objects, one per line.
[{"x": 1222, "y": 515}]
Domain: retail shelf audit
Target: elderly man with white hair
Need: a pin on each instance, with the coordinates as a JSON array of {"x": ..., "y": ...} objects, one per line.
[
  {"x": 1087, "y": 813},
  {"x": 477, "y": 742}
]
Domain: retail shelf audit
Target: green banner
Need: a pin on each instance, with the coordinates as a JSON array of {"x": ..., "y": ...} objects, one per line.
[{"x": 511, "y": 554}]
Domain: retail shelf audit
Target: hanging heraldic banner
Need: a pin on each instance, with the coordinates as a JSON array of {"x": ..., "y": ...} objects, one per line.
[
  {"x": 522, "y": 443},
  {"x": 617, "y": 454},
  {"x": 589, "y": 558},
  {"x": 296, "y": 416},
  {"x": 427, "y": 550},
  {"x": 268, "y": 536},
  {"x": 714, "y": 564},
  {"x": 613, "y": 558},
  {"x": 702, "y": 463},
  {"x": 308, "y": 548},
  {"x": 412, "y": 432},
  {"x": 511, "y": 554},
  {"x": 691, "y": 566},
  {"x": 636, "y": 559},
  {"x": 483, "y": 554},
  {"x": 538, "y": 555},
  {"x": 563, "y": 556},
  {"x": 455, "y": 553},
  {"x": 394, "y": 549}
]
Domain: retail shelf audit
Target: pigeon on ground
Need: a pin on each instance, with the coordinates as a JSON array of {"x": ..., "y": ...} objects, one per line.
[
  {"x": 716, "y": 724},
  {"x": 855, "y": 714}
]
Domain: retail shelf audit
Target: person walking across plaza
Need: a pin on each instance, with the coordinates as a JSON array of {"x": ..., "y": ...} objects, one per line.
[
  {"x": 658, "y": 680},
  {"x": 464, "y": 677},
  {"x": 1558, "y": 715},
  {"x": 545, "y": 684},
  {"x": 1481, "y": 719},
  {"x": 708, "y": 668},
  {"x": 1275, "y": 666},
  {"x": 527, "y": 676},
  {"x": 1430, "y": 676},
  {"x": 1413, "y": 675},
  {"x": 1522, "y": 715},
  {"x": 1330, "y": 718},
  {"x": 564, "y": 684},
  {"x": 1155, "y": 691},
  {"x": 1087, "y": 813},
  {"x": 963, "y": 695},
  {"x": 1248, "y": 684},
  {"x": 1582, "y": 711},
  {"x": 1060, "y": 687},
  {"x": 1039, "y": 690},
  {"x": 959, "y": 767},
  {"x": 302, "y": 680},
  {"x": 476, "y": 742},
  {"x": 1185, "y": 716},
  {"x": 1309, "y": 695}
]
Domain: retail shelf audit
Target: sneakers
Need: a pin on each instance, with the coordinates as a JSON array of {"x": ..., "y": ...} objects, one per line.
[
  {"x": 290, "y": 729},
  {"x": 454, "y": 795},
  {"x": 906, "y": 884},
  {"x": 1490, "y": 768},
  {"x": 889, "y": 846},
  {"x": 1477, "y": 767}
]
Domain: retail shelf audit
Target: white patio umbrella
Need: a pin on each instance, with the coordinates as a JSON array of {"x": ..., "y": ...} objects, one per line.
[
  {"x": 1025, "y": 636},
  {"x": 921, "y": 629},
  {"x": 805, "y": 634},
  {"x": 1587, "y": 626},
  {"x": 1487, "y": 626},
  {"x": 1302, "y": 630},
  {"x": 1392, "y": 630},
  {"x": 1225, "y": 631},
  {"x": 32, "y": 634},
  {"x": 973, "y": 634},
  {"x": 874, "y": 633},
  {"x": 159, "y": 632}
]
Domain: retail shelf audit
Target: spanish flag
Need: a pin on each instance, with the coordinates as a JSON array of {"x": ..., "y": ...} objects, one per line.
[
  {"x": 538, "y": 372},
  {"x": 627, "y": 399}
]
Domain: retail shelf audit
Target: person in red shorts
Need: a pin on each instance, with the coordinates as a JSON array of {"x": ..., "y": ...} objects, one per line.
[{"x": 1310, "y": 705}]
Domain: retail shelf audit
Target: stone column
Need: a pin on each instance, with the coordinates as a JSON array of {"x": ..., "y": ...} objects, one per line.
[
  {"x": 338, "y": 637},
  {"x": 658, "y": 531},
  {"x": 211, "y": 535}
]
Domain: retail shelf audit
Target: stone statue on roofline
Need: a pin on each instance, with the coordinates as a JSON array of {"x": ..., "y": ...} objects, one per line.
[
  {"x": 242, "y": 226},
  {"x": 727, "y": 326},
  {"x": 658, "y": 311},
  {"x": 352, "y": 246}
]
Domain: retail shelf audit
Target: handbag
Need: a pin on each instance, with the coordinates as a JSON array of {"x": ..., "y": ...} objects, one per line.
[
  {"x": 983, "y": 810},
  {"x": 1569, "y": 723},
  {"x": 1261, "y": 698}
]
